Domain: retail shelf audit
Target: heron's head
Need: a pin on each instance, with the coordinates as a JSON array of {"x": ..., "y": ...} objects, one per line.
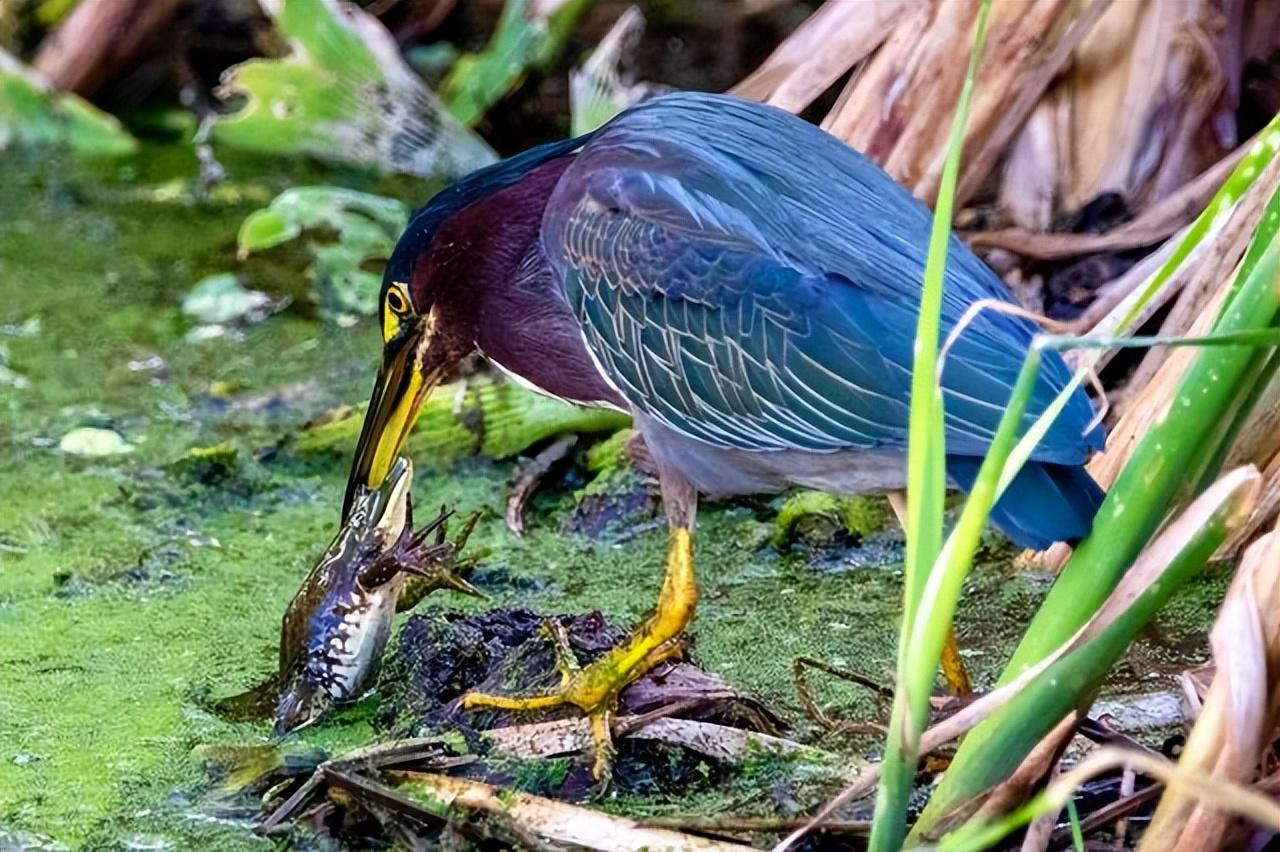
[
  {"x": 422, "y": 342},
  {"x": 461, "y": 243}
]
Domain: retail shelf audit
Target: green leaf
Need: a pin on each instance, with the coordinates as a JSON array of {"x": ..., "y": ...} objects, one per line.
[
  {"x": 264, "y": 229},
  {"x": 1135, "y": 507},
  {"x": 341, "y": 285},
  {"x": 344, "y": 93},
  {"x": 369, "y": 223},
  {"x": 1177, "y": 554},
  {"x": 366, "y": 227},
  {"x": 521, "y": 42},
  {"x": 31, "y": 114},
  {"x": 926, "y": 493}
]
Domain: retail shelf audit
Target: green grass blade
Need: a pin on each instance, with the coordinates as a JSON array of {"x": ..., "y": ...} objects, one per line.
[
  {"x": 1259, "y": 379},
  {"x": 1134, "y": 508},
  {"x": 1242, "y": 177},
  {"x": 1212, "y": 519},
  {"x": 1077, "y": 835},
  {"x": 942, "y": 590},
  {"x": 936, "y": 610},
  {"x": 926, "y": 491},
  {"x": 945, "y": 581}
]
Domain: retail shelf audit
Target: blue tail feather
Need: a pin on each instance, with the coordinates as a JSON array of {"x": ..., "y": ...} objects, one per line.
[{"x": 1045, "y": 502}]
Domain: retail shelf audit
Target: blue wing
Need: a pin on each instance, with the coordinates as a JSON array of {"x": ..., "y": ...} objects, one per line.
[{"x": 762, "y": 302}]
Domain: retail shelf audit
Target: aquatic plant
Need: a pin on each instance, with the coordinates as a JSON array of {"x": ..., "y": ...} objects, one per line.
[
  {"x": 365, "y": 227},
  {"x": 33, "y": 114},
  {"x": 528, "y": 37},
  {"x": 343, "y": 93}
]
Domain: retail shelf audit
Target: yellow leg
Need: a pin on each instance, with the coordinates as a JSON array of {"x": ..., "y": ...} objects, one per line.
[
  {"x": 594, "y": 688},
  {"x": 953, "y": 668}
]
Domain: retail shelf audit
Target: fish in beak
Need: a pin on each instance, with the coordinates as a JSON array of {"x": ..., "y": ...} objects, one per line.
[{"x": 337, "y": 626}]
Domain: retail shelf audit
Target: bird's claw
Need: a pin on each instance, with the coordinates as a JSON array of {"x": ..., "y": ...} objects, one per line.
[{"x": 593, "y": 689}]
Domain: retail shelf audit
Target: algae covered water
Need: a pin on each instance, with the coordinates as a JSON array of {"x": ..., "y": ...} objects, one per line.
[{"x": 142, "y": 575}]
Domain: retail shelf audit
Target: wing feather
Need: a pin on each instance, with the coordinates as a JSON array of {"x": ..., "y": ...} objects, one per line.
[{"x": 721, "y": 304}]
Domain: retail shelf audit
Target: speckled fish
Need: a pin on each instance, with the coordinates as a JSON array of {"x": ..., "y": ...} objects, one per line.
[{"x": 336, "y": 628}]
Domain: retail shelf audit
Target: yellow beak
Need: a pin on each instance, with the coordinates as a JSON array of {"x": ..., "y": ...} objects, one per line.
[{"x": 405, "y": 379}]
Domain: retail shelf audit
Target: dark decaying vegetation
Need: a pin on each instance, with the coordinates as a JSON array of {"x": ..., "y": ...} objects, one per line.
[{"x": 1113, "y": 160}]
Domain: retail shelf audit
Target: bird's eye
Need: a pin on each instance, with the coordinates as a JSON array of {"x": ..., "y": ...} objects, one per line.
[
  {"x": 395, "y": 306},
  {"x": 396, "y": 302}
]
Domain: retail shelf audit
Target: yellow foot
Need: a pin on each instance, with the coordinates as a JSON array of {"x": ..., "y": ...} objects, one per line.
[{"x": 593, "y": 689}]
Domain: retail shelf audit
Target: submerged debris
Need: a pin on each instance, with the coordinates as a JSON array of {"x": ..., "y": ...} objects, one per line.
[
  {"x": 442, "y": 655},
  {"x": 823, "y": 519},
  {"x": 207, "y": 465},
  {"x": 93, "y": 441},
  {"x": 222, "y": 299},
  {"x": 675, "y": 726},
  {"x": 529, "y": 475},
  {"x": 401, "y": 793}
]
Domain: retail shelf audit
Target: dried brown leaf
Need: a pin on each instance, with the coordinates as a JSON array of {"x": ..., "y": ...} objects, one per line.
[
  {"x": 890, "y": 111},
  {"x": 1155, "y": 223},
  {"x": 834, "y": 39},
  {"x": 1239, "y": 714}
]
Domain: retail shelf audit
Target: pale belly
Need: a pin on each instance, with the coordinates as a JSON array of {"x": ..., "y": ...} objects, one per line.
[
  {"x": 355, "y": 649},
  {"x": 720, "y": 472}
]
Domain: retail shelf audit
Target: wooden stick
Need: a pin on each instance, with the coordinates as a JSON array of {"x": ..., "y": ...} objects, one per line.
[
  {"x": 1157, "y": 222},
  {"x": 547, "y": 819},
  {"x": 101, "y": 39}
]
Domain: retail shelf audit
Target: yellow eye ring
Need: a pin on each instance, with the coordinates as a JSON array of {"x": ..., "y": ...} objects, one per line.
[
  {"x": 395, "y": 306},
  {"x": 396, "y": 301}
]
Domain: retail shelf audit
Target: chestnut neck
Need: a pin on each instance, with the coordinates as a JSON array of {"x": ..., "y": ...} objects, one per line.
[{"x": 494, "y": 290}]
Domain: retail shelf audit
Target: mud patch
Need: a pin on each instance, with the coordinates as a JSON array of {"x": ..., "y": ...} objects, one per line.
[
  {"x": 442, "y": 655},
  {"x": 677, "y": 729}
]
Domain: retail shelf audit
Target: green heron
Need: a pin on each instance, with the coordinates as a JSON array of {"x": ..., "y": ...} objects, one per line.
[{"x": 747, "y": 287}]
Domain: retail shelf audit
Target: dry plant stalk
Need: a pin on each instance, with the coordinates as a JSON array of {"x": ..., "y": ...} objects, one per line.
[
  {"x": 720, "y": 742},
  {"x": 1259, "y": 443},
  {"x": 1238, "y": 719},
  {"x": 831, "y": 41},
  {"x": 1248, "y": 802},
  {"x": 558, "y": 823},
  {"x": 890, "y": 111},
  {"x": 1033, "y": 194},
  {"x": 1205, "y": 279},
  {"x": 1030, "y": 774},
  {"x": 1147, "y": 104},
  {"x": 1084, "y": 98},
  {"x": 101, "y": 39},
  {"x": 1268, "y": 504}
]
